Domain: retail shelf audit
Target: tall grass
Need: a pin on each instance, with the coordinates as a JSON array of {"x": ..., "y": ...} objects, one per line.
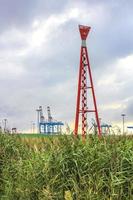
[{"x": 58, "y": 168}]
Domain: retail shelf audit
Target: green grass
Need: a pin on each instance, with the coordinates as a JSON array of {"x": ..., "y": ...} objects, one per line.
[
  {"x": 57, "y": 168},
  {"x": 35, "y": 135}
]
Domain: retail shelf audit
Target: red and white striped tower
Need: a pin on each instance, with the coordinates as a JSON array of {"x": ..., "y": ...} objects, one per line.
[{"x": 84, "y": 70}]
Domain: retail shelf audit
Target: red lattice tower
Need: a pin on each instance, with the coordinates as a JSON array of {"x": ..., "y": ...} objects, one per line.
[{"x": 84, "y": 70}]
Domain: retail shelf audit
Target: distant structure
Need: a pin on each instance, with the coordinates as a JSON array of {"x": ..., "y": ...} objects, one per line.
[
  {"x": 39, "y": 117},
  {"x": 48, "y": 126},
  {"x": 0, "y": 129},
  {"x": 33, "y": 127},
  {"x": 14, "y": 130},
  {"x": 49, "y": 114},
  {"x": 83, "y": 86},
  {"x": 105, "y": 128},
  {"x": 130, "y": 129},
  {"x": 5, "y": 126},
  {"x": 68, "y": 130},
  {"x": 123, "y": 122}
]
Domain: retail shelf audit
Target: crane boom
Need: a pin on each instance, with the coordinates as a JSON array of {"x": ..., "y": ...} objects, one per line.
[{"x": 49, "y": 114}]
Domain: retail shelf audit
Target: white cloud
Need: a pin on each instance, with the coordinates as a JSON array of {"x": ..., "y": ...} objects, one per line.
[
  {"x": 114, "y": 88},
  {"x": 125, "y": 68},
  {"x": 107, "y": 80},
  {"x": 8, "y": 69},
  {"x": 113, "y": 106}
]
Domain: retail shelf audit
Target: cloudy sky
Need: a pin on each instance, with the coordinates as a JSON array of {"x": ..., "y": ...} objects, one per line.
[{"x": 39, "y": 58}]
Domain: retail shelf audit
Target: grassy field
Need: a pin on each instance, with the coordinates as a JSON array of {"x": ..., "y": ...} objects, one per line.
[
  {"x": 62, "y": 167},
  {"x": 35, "y": 135}
]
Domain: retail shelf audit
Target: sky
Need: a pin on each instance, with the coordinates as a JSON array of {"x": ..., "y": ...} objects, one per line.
[{"x": 39, "y": 58}]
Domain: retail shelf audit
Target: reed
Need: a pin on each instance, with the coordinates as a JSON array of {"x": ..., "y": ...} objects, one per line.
[{"x": 57, "y": 168}]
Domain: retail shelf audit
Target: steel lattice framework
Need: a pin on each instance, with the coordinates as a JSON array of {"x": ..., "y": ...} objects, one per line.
[{"x": 84, "y": 70}]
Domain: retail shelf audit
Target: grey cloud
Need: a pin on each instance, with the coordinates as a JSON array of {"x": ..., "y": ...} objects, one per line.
[
  {"x": 50, "y": 76},
  {"x": 14, "y": 13},
  {"x": 129, "y": 110}
]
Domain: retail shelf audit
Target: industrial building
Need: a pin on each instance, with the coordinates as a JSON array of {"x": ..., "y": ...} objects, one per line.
[{"x": 49, "y": 125}]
